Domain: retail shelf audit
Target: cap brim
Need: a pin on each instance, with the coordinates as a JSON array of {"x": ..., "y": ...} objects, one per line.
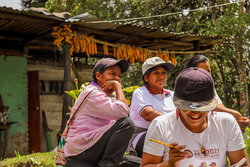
[
  {"x": 201, "y": 106},
  {"x": 168, "y": 66},
  {"x": 123, "y": 64}
]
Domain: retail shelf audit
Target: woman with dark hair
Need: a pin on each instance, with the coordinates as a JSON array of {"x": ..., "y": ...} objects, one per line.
[
  {"x": 201, "y": 61},
  {"x": 150, "y": 101},
  {"x": 101, "y": 130}
]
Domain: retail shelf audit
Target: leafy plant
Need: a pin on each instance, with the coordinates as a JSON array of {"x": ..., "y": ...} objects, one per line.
[
  {"x": 247, "y": 140},
  {"x": 77, "y": 92},
  {"x": 128, "y": 92}
]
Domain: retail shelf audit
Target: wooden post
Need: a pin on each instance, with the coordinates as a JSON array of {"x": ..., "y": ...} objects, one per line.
[
  {"x": 25, "y": 51},
  {"x": 196, "y": 46},
  {"x": 67, "y": 100}
]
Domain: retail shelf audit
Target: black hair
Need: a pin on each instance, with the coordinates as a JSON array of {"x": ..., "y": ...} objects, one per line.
[
  {"x": 148, "y": 72},
  {"x": 100, "y": 71},
  {"x": 195, "y": 60}
]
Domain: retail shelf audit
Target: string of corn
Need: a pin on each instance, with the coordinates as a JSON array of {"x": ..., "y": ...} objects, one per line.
[{"x": 83, "y": 43}]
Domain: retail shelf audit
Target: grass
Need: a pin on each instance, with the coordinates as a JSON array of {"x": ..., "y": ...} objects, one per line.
[{"x": 31, "y": 160}]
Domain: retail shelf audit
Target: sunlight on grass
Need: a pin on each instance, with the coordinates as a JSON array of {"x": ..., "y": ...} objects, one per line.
[{"x": 31, "y": 160}]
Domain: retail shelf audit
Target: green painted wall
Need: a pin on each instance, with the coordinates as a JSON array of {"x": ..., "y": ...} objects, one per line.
[{"x": 14, "y": 91}]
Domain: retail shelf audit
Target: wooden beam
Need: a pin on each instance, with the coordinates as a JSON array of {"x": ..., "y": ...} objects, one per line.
[
  {"x": 30, "y": 39},
  {"x": 193, "y": 52},
  {"x": 173, "y": 42},
  {"x": 106, "y": 33},
  {"x": 36, "y": 47},
  {"x": 10, "y": 52}
]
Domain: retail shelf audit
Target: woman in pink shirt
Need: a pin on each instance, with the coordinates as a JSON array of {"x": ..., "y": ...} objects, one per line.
[{"x": 101, "y": 130}]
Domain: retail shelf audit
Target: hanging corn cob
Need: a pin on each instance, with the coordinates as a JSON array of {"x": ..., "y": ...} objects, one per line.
[{"x": 83, "y": 43}]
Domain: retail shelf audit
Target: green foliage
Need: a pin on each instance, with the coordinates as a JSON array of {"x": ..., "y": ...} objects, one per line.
[
  {"x": 133, "y": 76},
  {"x": 77, "y": 92},
  {"x": 33, "y": 3},
  {"x": 128, "y": 92},
  {"x": 34, "y": 160},
  {"x": 247, "y": 140}
]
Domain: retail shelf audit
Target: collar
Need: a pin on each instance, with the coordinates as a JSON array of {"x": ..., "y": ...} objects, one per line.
[
  {"x": 152, "y": 92},
  {"x": 95, "y": 84}
]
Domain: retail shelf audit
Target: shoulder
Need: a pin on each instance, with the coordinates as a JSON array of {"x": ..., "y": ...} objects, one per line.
[
  {"x": 141, "y": 90},
  {"x": 90, "y": 89},
  {"x": 169, "y": 92},
  {"x": 223, "y": 117},
  {"x": 166, "y": 118}
]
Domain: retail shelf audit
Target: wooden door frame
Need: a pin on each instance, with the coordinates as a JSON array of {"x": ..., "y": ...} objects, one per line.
[{"x": 34, "y": 120}]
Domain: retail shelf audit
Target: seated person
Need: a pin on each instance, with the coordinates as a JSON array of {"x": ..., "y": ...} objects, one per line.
[
  {"x": 150, "y": 101},
  {"x": 198, "y": 136},
  {"x": 101, "y": 130},
  {"x": 201, "y": 61}
]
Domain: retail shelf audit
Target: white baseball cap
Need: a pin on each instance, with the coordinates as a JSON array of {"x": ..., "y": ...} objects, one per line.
[{"x": 154, "y": 62}]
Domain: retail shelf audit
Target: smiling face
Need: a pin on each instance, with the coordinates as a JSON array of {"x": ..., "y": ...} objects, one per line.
[
  {"x": 194, "y": 121},
  {"x": 157, "y": 78},
  {"x": 111, "y": 73}
]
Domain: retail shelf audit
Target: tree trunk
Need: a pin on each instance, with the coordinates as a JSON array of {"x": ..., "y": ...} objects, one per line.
[
  {"x": 223, "y": 7},
  {"x": 242, "y": 80},
  {"x": 212, "y": 3},
  {"x": 219, "y": 61},
  {"x": 67, "y": 100},
  {"x": 241, "y": 71}
]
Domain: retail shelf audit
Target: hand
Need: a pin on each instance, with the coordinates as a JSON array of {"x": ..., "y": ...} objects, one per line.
[
  {"x": 243, "y": 123},
  {"x": 176, "y": 155},
  {"x": 110, "y": 86}
]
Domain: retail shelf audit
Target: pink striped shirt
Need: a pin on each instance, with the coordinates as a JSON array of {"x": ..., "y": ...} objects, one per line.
[{"x": 97, "y": 115}]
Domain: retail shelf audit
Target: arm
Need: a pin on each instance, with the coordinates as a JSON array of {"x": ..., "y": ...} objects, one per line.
[
  {"x": 221, "y": 108},
  {"x": 175, "y": 156},
  {"x": 149, "y": 160},
  {"x": 242, "y": 121},
  {"x": 110, "y": 86},
  {"x": 236, "y": 156},
  {"x": 149, "y": 114}
]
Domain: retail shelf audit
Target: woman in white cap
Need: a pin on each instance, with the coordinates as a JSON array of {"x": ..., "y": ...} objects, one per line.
[
  {"x": 197, "y": 136},
  {"x": 150, "y": 101},
  {"x": 201, "y": 61},
  {"x": 101, "y": 130}
]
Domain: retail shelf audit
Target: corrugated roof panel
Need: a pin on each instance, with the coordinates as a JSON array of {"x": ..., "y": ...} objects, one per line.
[
  {"x": 159, "y": 34},
  {"x": 98, "y": 26},
  {"x": 28, "y": 12},
  {"x": 133, "y": 30}
]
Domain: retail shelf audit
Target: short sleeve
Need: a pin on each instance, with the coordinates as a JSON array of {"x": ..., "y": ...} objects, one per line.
[
  {"x": 140, "y": 101},
  {"x": 235, "y": 140},
  {"x": 155, "y": 131}
]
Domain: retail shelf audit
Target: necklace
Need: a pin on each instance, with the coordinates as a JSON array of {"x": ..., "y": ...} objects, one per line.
[{"x": 203, "y": 149}]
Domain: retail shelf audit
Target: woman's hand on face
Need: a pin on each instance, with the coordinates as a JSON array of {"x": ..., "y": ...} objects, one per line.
[
  {"x": 176, "y": 155},
  {"x": 110, "y": 86}
]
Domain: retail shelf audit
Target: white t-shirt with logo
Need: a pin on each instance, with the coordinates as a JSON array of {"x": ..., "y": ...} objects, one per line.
[
  {"x": 143, "y": 97},
  {"x": 222, "y": 134}
]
